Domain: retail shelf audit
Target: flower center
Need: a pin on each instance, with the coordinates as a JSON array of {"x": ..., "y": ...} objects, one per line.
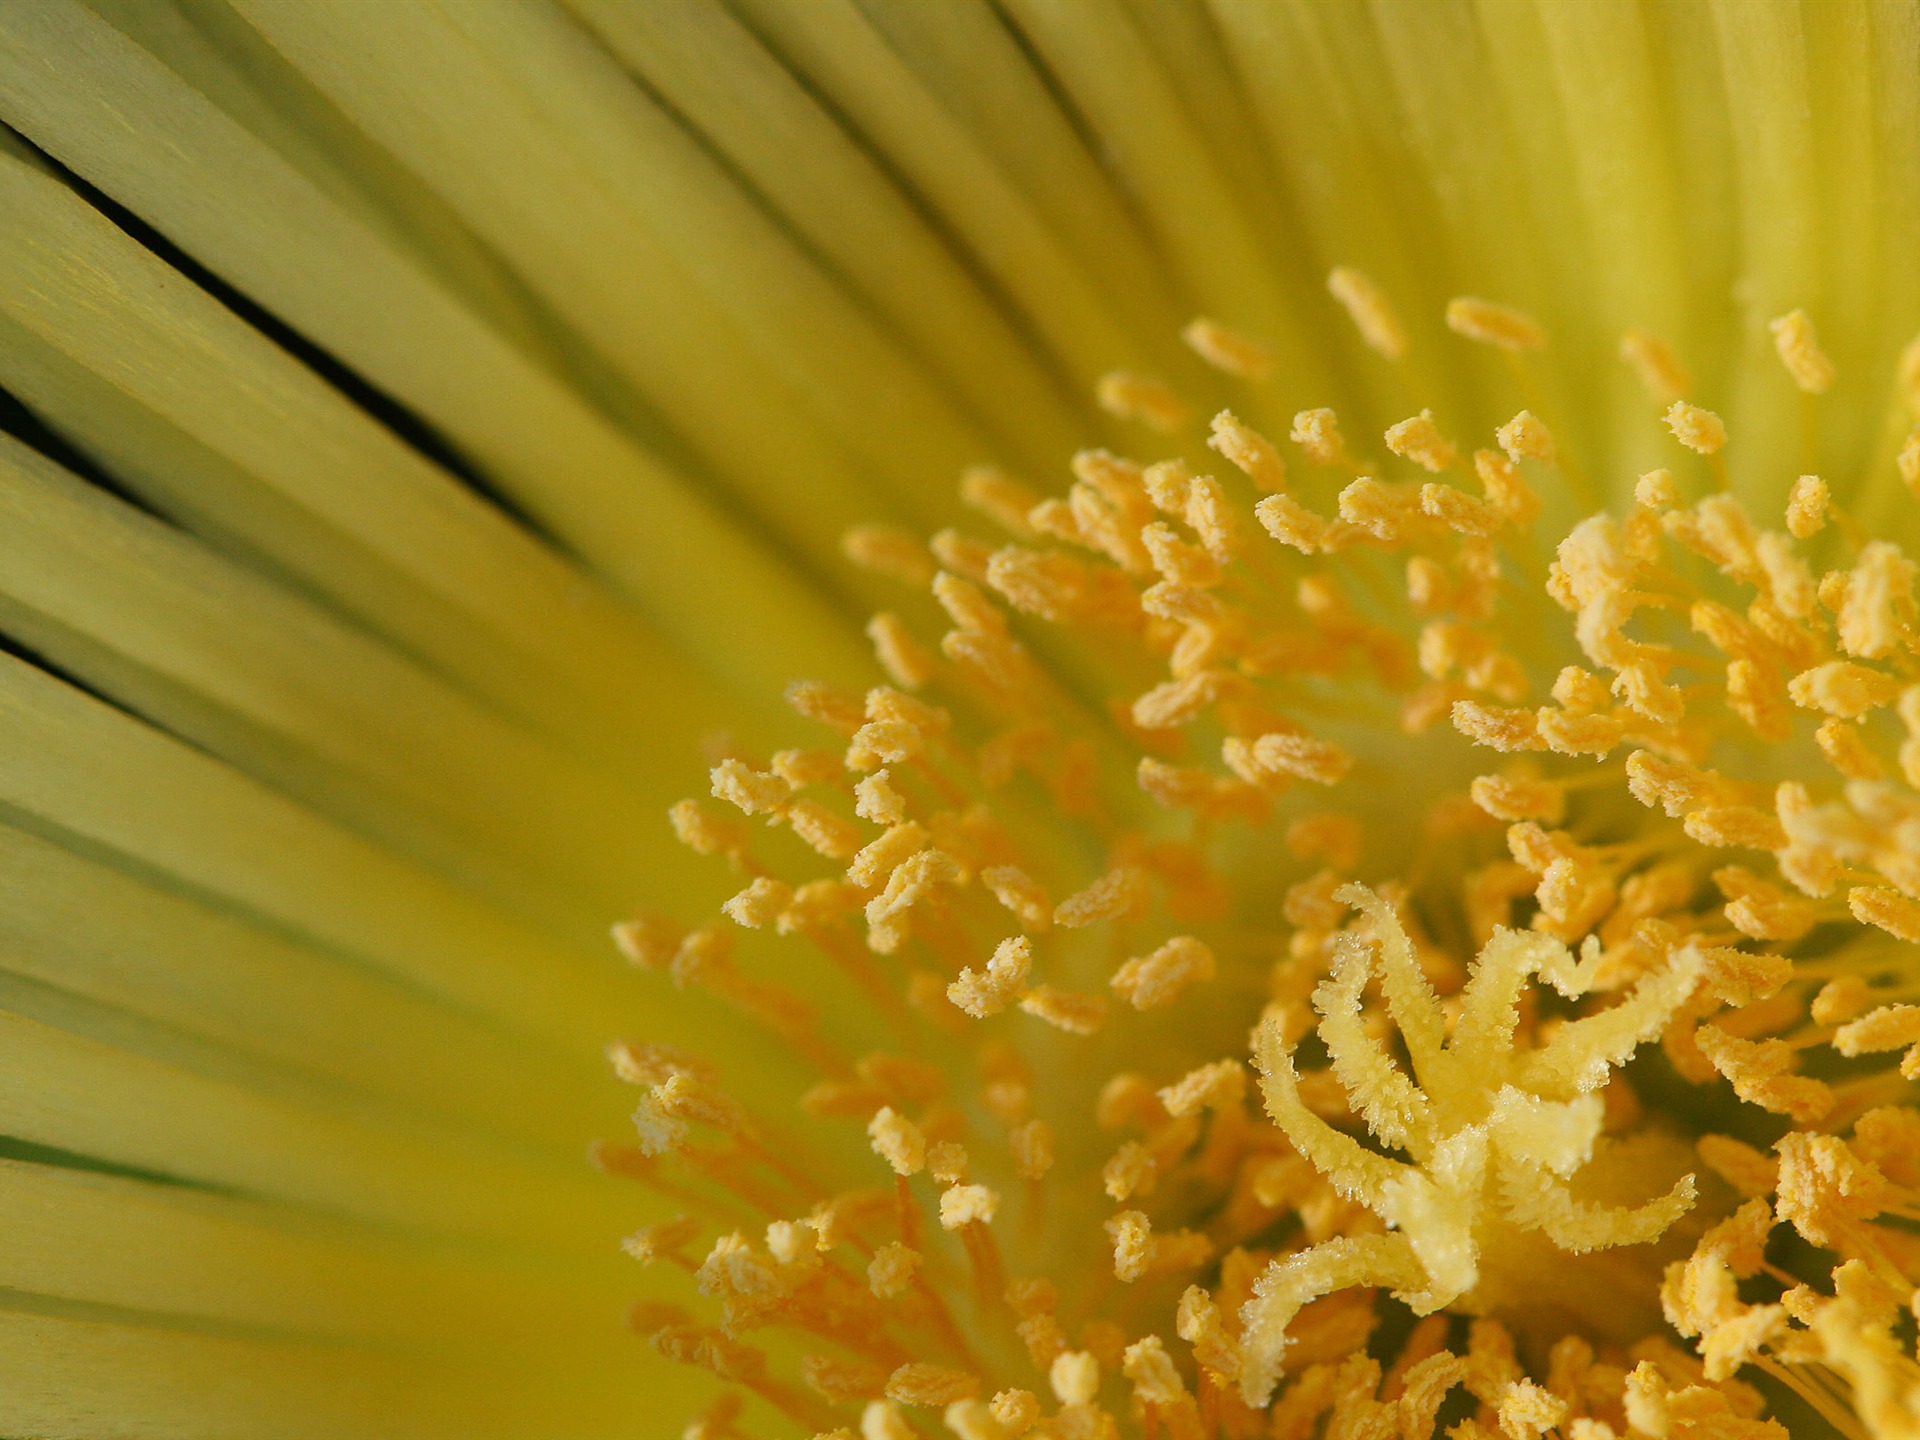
[{"x": 1202, "y": 750}]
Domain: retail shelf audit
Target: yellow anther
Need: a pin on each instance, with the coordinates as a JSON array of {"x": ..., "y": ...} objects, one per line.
[
  {"x": 999, "y": 497},
  {"x": 1228, "y": 350},
  {"x": 842, "y": 1382},
  {"x": 1515, "y": 797},
  {"x": 1653, "y": 360},
  {"x": 1494, "y": 324},
  {"x": 907, "y": 663},
  {"x": 1167, "y": 484},
  {"x": 1318, "y": 433},
  {"x": 923, "y": 1384},
  {"x": 1735, "y": 826},
  {"x": 1807, "y": 507},
  {"x": 663, "y": 1241},
  {"x": 749, "y": 790},
  {"x": 1132, "y": 1236},
  {"x": 1140, "y": 397},
  {"x": 1176, "y": 560},
  {"x": 1275, "y": 758},
  {"x": 1418, "y": 439},
  {"x": 1120, "y": 894},
  {"x": 1370, "y": 310},
  {"x": 876, "y": 800},
  {"x": 759, "y": 904},
  {"x": 637, "y": 1064},
  {"x": 659, "y": 1131},
  {"x": 1762, "y": 1074},
  {"x": 1024, "y": 896},
  {"x": 1132, "y": 1170},
  {"x": 912, "y": 881},
  {"x": 817, "y": 904},
  {"x": 990, "y": 990},
  {"x": 892, "y": 1269},
  {"x": 1032, "y": 1147},
  {"x": 1876, "y": 616},
  {"x": 947, "y": 1162},
  {"x": 689, "y": 1097},
  {"x": 1291, "y": 523},
  {"x": 801, "y": 768},
  {"x": 890, "y": 552},
  {"x": 963, "y": 1205},
  {"x": 1016, "y": 1410},
  {"x": 1699, "y": 430},
  {"x": 836, "y": 709},
  {"x": 1065, "y": 1010},
  {"x": 898, "y": 1141},
  {"x": 884, "y": 742},
  {"x": 1825, "y": 1188},
  {"x": 1526, "y": 437},
  {"x": 705, "y": 833},
  {"x": 1760, "y": 909},
  {"x": 1046, "y": 583},
  {"x": 648, "y": 942},
  {"x": 1075, "y": 1377},
  {"x": 972, "y": 1420},
  {"x": 1799, "y": 350},
  {"x": 1527, "y": 1411},
  {"x": 1147, "y": 981},
  {"x": 1249, "y": 451},
  {"x": 1655, "y": 490},
  {"x": 1426, "y": 1384},
  {"x": 1389, "y": 513},
  {"x": 1505, "y": 488},
  {"x": 1842, "y": 688},
  {"x": 1840, "y": 1000},
  {"x": 1847, "y": 751},
  {"x": 882, "y": 1420},
  {"x": 1496, "y": 727},
  {"x": 1212, "y": 518},
  {"x": 1459, "y": 511},
  {"x": 1156, "y": 1381},
  {"x": 1199, "y": 1323},
  {"x": 962, "y": 554},
  {"x": 1888, "y": 909},
  {"x": 1891, "y": 1027},
  {"x": 1219, "y": 1086}
]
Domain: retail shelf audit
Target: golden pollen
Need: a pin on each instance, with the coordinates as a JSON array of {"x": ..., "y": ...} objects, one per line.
[{"x": 1287, "y": 945}]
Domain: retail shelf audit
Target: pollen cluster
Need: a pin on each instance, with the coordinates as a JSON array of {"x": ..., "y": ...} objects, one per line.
[{"x": 1288, "y": 949}]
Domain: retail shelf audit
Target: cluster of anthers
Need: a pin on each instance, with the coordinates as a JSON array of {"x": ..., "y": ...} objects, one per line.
[{"x": 1132, "y": 827}]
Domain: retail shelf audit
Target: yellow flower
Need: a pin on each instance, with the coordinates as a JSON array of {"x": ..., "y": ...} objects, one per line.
[{"x": 1361, "y": 506}]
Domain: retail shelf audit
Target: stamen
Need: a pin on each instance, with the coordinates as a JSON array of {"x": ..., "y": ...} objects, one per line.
[
  {"x": 1367, "y": 305},
  {"x": 1800, "y": 352},
  {"x": 1420, "y": 441},
  {"x": 1229, "y": 350},
  {"x": 1156, "y": 748},
  {"x": 1318, "y": 433},
  {"x": 1501, "y": 326},
  {"x": 890, "y": 552},
  {"x": 1250, "y": 451},
  {"x": 1139, "y": 397},
  {"x": 1660, "y": 371},
  {"x": 1699, "y": 430}
]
